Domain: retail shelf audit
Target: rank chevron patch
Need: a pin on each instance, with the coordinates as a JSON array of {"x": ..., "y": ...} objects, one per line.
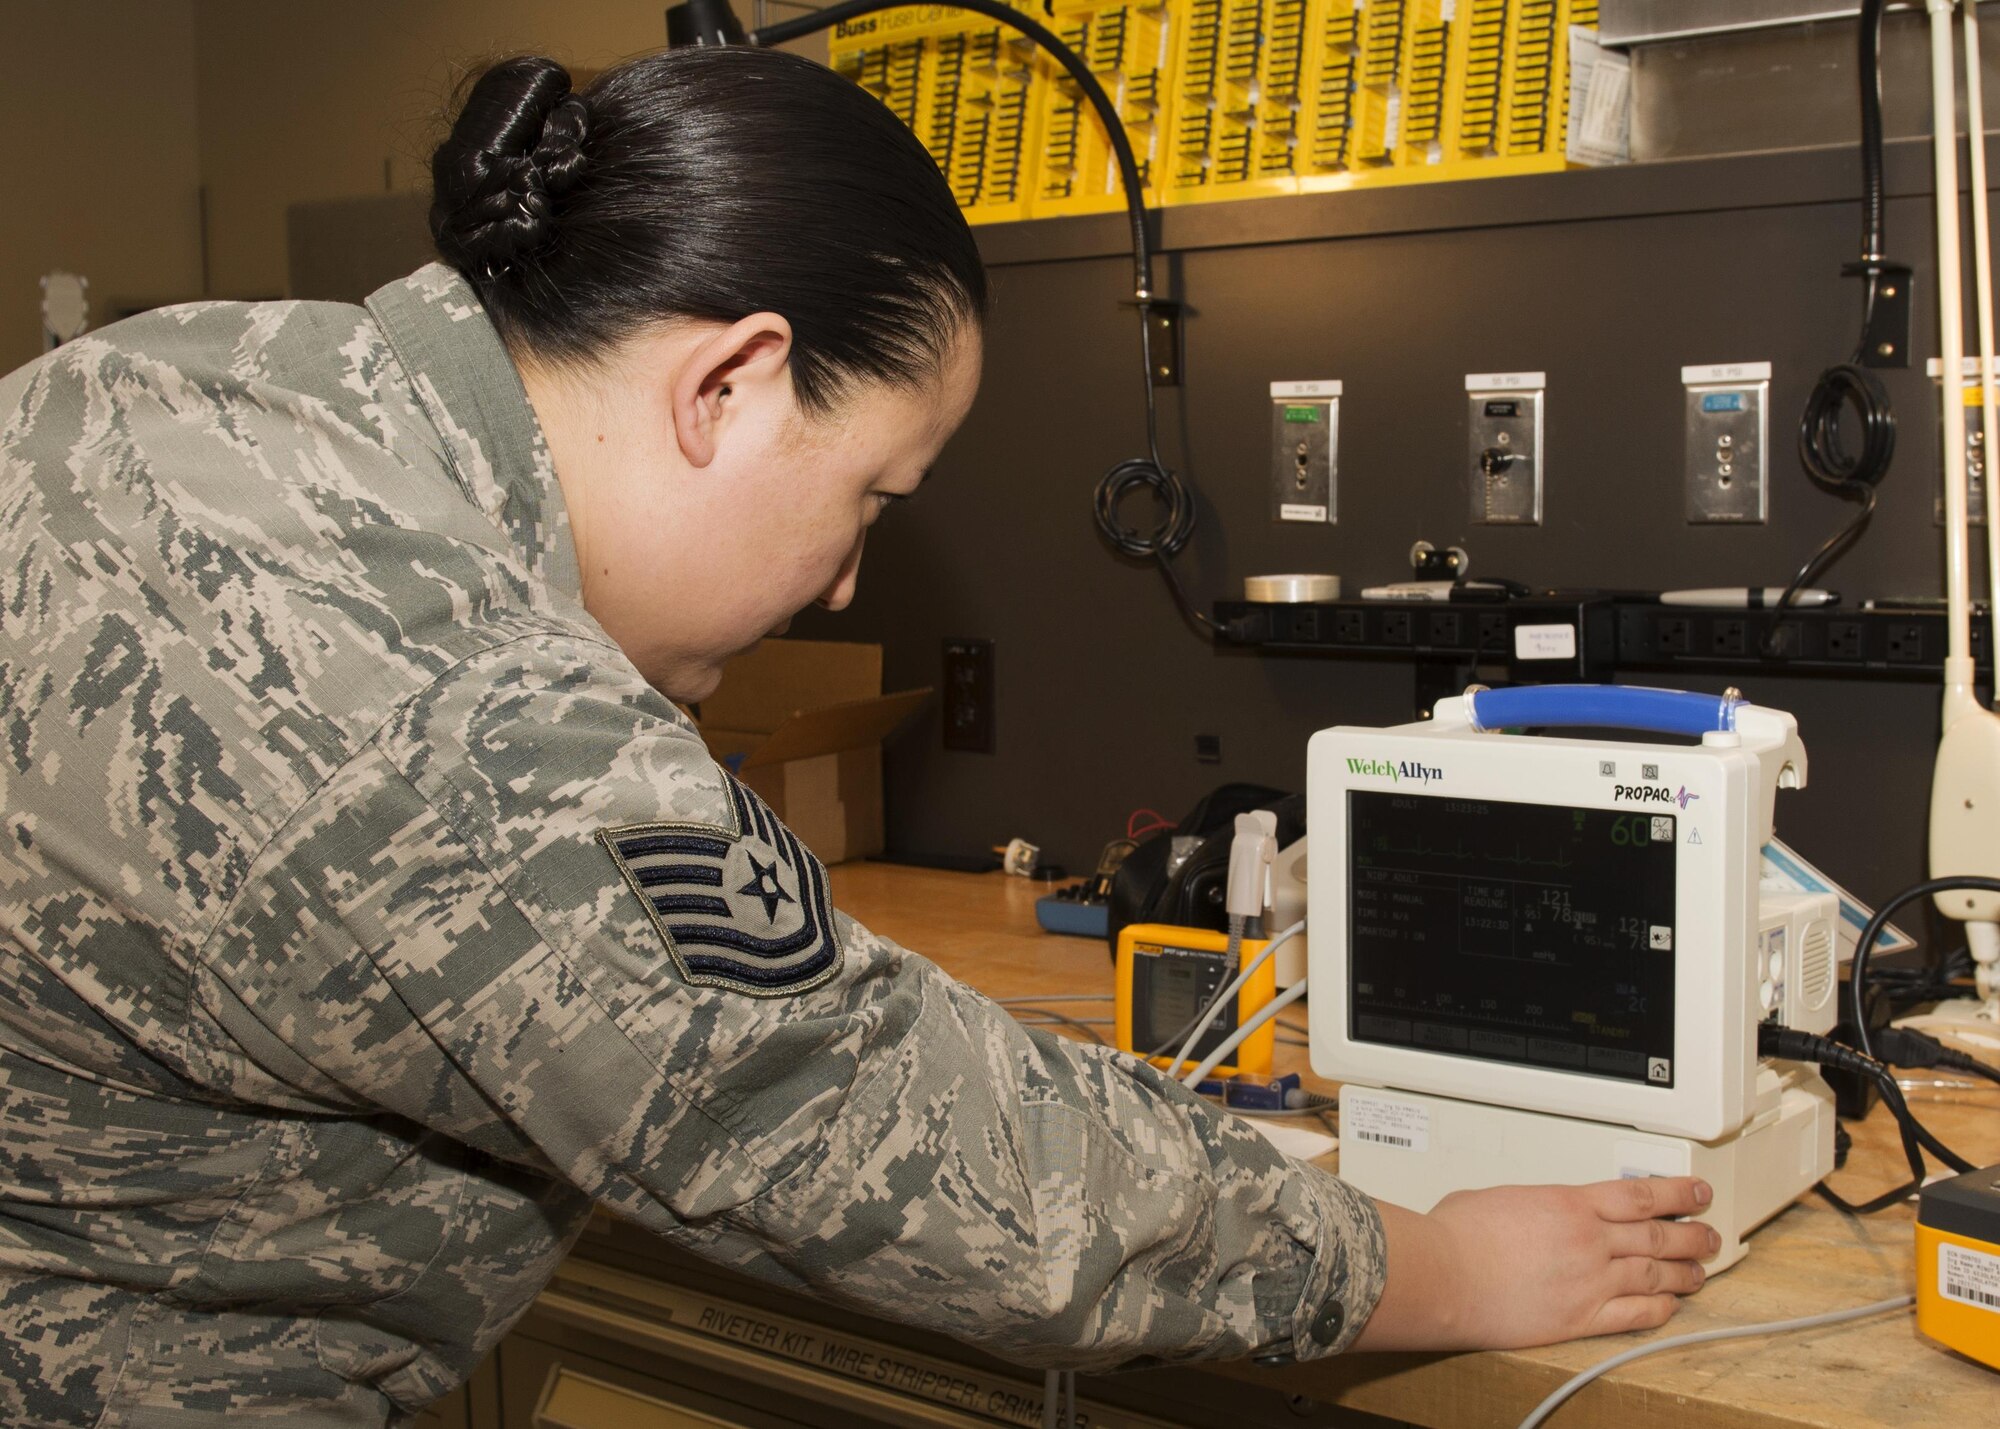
[{"x": 744, "y": 908}]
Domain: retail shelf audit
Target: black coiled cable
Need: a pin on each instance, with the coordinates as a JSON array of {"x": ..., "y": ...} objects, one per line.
[
  {"x": 1822, "y": 449},
  {"x": 1824, "y": 453},
  {"x": 1177, "y": 509}
]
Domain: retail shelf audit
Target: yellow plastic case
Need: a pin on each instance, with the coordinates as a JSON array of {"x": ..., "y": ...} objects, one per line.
[
  {"x": 1148, "y": 950},
  {"x": 1958, "y": 1264}
]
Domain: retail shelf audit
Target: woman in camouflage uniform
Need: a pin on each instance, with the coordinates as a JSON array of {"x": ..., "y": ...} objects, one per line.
[{"x": 368, "y": 911}]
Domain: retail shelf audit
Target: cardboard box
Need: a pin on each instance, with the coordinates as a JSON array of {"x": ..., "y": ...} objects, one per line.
[{"x": 802, "y": 723}]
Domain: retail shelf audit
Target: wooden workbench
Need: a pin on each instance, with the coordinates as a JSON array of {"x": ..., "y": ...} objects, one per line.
[{"x": 1809, "y": 1259}]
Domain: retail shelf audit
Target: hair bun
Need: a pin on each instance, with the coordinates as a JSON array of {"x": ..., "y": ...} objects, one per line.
[{"x": 516, "y": 147}]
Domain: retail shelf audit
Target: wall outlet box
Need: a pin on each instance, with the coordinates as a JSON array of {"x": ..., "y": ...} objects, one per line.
[
  {"x": 1727, "y": 433},
  {"x": 1504, "y": 427},
  {"x": 1305, "y": 446}
]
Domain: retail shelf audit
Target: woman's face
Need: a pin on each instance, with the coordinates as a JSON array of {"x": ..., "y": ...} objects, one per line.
[{"x": 709, "y": 509}]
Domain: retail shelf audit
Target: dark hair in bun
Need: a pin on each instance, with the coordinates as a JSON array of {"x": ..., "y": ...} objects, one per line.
[
  {"x": 706, "y": 183},
  {"x": 516, "y": 147}
]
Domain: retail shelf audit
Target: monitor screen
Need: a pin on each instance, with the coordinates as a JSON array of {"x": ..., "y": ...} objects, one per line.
[{"x": 1534, "y": 934}]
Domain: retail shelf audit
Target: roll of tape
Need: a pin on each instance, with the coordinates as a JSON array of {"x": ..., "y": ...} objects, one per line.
[{"x": 1290, "y": 590}]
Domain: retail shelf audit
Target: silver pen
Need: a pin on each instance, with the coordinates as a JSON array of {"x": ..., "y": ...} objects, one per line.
[{"x": 1748, "y": 597}]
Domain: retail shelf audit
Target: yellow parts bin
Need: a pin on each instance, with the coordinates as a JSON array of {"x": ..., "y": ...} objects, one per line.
[
  {"x": 1224, "y": 98},
  {"x": 1129, "y": 48},
  {"x": 1167, "y": 975},
  {"x": 968, "y": 87}
]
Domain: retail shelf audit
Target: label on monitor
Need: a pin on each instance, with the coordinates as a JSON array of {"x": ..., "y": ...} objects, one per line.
[{"x": 1384, "y": 1121}]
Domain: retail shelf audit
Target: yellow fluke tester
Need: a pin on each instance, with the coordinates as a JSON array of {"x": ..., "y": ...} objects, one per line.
[
  {"x": 1958, "y": 1264},
  {"x": 1167, "y": 975}
]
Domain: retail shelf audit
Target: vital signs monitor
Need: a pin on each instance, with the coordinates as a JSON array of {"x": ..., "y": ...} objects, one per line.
[{"x": 1539, "y": 958}]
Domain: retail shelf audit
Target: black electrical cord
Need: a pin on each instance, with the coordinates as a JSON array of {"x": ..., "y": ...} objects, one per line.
[
  {"x": 1823, "y": 451},
  {"x": 1796, "y": 1046},
  {"x": 1857, "y": 975},
  {"x": 1908, "y": 986},
  {"x": 1870, "y": 70},
  {"x": 1167, "y": 539},
  {"x": 1857, "y": 983},
  {"x": 1918, "y": 1051}
]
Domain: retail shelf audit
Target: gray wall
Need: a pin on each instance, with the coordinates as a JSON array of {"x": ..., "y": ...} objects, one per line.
[{"x": 1609, "y": 281}]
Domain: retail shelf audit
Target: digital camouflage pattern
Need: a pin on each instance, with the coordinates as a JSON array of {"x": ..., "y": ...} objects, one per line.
[{"x": 326, "y": 1014}]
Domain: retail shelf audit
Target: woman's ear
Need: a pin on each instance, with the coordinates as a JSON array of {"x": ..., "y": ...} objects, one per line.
[{"x": 725, "y": 372}]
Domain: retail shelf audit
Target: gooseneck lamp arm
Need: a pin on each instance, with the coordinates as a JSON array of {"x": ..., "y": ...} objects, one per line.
[{"x": 713, "y": 22}]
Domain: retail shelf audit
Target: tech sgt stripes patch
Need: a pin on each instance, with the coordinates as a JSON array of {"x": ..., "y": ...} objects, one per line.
[{"x": 745, "y": 908}]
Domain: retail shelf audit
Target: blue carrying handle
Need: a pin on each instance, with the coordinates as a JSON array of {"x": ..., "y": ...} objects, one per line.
[{"x": 1602, "y": 707}]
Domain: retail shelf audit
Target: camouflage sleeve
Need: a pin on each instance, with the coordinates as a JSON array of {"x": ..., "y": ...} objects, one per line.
[{"x": 535, "y": 913}]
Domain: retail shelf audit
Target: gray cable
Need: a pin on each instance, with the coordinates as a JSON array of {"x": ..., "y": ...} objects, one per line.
[
  {"x": 1249, "y": 1029},
  {"x": 1229, "y": 991},
  {"x": 1701, "y": 1337},
  {"x": 1057, "y": 1019}
]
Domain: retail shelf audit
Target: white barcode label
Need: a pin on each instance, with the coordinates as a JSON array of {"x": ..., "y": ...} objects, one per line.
[
  {"x": 1971, "y": 1277},
  {"x": 1384, "y": 1121}
]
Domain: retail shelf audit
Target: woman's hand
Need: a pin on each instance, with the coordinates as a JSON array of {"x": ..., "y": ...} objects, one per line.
[{"x": 1532, "y": 1265}]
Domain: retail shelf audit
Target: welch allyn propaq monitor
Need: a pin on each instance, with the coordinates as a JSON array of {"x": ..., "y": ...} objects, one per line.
[{"x": 1543, "y": 959}]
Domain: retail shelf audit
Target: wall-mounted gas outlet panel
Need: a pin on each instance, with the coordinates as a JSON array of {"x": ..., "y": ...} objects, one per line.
[
  {"x": 1305, "y": 451},
  {"x": 1728, "y": 428},
  {"x": 1504, "y": 412},
  {"x": 1975, "y": 445}
]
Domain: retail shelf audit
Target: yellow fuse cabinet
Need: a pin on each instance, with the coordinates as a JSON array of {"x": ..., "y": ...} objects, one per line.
[
  {"x": 970, "y": 92},
  {"x": 1225, "y": 98},
  {"x": 1128, "y": 47}
]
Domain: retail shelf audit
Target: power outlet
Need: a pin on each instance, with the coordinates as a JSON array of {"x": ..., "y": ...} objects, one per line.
[
  {"x": 1676, "y": 635},
  {"x": 1729, "y": 637},
  {"x": 1906, "y": 643},
  {"x": 1843, "y": 640},
  {"x": 1305, "y": 447},
  {"x": 1504, "y": 431},
  {"x": 968, "y": 695}
]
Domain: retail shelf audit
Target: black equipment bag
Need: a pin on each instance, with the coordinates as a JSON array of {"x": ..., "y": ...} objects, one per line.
[{"x": 1193, "y": 897}]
